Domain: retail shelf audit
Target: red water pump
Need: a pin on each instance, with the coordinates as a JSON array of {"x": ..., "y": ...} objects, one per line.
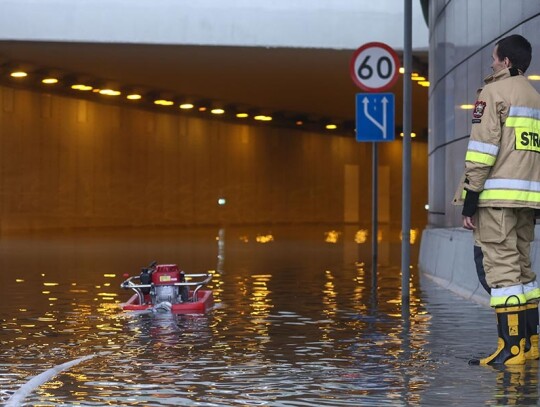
[{"x": 165, "y": 279}]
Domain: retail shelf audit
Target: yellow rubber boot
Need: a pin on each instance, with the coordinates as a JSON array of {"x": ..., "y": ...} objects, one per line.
[
  {"x": 511, "y": 328},
  {"x": 531, "y": 342}
]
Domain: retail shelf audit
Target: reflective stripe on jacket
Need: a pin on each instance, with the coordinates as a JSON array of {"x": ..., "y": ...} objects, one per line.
[{"x": 502, "y": 162}]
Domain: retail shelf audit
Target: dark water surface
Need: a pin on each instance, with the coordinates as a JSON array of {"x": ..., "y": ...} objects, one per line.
[{"x": 297, "y": 323}]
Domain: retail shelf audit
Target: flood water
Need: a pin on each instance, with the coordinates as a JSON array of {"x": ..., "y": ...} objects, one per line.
[{"x": 297, "y": 322}]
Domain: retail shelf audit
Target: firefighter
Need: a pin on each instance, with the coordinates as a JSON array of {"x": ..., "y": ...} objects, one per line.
[{"x": 500, "y": 190}]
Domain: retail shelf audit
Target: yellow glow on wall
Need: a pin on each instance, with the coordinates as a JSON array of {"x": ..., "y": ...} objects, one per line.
[
  {"x": 332, "y": 236},
  {"x": 18, "y": 74},
  {"x": 361, "y": 236},
  {"x": 413, "y": 235},
  {"x": 264, "y": 238},
  {"x": 49, "y": 81},
  {"x": 134, "y": 96},
  {"x": 19, "y": 280}
]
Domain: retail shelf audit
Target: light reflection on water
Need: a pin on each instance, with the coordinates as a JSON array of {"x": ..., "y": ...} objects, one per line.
[{"x": 297, "y": 323}]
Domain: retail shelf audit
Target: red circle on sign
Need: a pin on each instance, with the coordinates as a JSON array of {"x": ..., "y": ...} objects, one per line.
[{"x": 385, "y": 49}]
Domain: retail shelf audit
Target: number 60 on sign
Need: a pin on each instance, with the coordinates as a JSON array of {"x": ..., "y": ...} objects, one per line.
[{"x": 374, "y": 67}]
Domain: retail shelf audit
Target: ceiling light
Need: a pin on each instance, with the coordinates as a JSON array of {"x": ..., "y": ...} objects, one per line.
[
  {"x": 81, "y": 87},
  {"x": 299, "y": 123},
  {"x": 263, "y": 118},
  {"x": 217, "y": 111},
  {"x": 242, "y": 115},
  {"x": 466, "y": 107},
  {"x": 401, "y": 70},
  {"x": 134, "y": 96},
  {"x": 418, "y": 78},
  {"x": 49, "y": 81},
  {"x": 331, "y": 126},
  {"x": 164, "y": 102},
  {"x": 534, "y": 77},
  {"x": 187, "y": 106},
  {"x": 413, "y": 135},
  {"x": 18, "y": 74},
  {"x": 425, "y": 84},
  {"x": 202, "y": 109},
  {"x": 109, "y": 92}
]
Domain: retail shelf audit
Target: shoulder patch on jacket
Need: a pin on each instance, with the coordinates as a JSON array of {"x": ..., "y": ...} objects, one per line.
[{"x": 478, "y": 110}]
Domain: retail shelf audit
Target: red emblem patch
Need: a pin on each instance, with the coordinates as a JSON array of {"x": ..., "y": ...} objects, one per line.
[{"x": 479, "y": 107}]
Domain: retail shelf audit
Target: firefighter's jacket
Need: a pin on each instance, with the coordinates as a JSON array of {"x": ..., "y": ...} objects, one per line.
[{"x": 502, "y": 164}]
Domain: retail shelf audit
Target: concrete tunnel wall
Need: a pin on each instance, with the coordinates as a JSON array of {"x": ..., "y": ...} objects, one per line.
[
  {"x": 446, "y": 256},
  {"x": 73, "y": 163}
]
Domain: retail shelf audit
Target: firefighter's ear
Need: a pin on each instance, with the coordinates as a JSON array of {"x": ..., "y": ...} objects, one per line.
[{"x": 507, "y": 62}]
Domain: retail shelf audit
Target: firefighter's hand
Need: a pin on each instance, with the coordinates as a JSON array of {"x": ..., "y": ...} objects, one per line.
[{"x": 468, "y": 223}]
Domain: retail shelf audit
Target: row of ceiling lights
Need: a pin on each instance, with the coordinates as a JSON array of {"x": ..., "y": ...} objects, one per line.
[
  {"x": 419, "y": 79},
  {"x": 187, "y": 106}
]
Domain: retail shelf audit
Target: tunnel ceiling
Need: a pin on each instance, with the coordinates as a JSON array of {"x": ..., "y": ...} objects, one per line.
[{"x": 308, "y": 81}]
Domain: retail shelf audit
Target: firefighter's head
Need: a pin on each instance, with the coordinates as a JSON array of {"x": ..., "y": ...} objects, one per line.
[{"x": 513, "y": 51}]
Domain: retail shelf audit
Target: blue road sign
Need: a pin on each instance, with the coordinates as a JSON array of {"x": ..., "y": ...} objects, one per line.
[{"x": 375, "y": 117}]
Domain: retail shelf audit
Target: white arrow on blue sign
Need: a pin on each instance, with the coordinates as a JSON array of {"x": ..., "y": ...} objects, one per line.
[{"x": 375, "y": 117}]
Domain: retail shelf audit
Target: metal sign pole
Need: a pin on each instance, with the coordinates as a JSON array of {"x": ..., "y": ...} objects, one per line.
[
  {"x": 374, "y": 68},
  {"x": 406, "y": 188},
  {"x": 374, "y": 213}
]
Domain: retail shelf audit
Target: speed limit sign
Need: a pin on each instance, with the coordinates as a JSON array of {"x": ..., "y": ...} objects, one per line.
[{"x": 374, "y": 67}]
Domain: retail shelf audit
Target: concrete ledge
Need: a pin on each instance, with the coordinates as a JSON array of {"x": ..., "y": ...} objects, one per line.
[{"x": 446, "y": 257}]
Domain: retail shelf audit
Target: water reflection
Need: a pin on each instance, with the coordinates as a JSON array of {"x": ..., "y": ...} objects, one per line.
[
  {"x": 298, "y": 322},
  {"x": 517, "y": 385}
]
